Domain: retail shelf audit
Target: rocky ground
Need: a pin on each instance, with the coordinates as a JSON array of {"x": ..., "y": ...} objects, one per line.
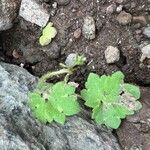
[{"x": 112, "y": 34}]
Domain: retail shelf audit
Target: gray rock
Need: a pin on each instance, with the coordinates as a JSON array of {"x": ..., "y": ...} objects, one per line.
[
  {"x": 33, "y": 12},
  {"x": 112, "y": 54},
  {"x": 145, "y": 52},
  {"x": 8, "y": 12},
  {"x": 63, "y": 2},
  {"x": 146, "y": 32},
  {"x": 52, "y": 50},
  {"x": 31, "y": 54},
  {"x": 21, "y": 131},
  {"x": 124, "y": 18},
  {"x": 111, "y": 8},
  {"x": 88, "y": 29},
  {"x": 71, "y": 59}
]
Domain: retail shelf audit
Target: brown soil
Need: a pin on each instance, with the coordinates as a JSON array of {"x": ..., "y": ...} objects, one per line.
[{"x": 67, "y": 20}]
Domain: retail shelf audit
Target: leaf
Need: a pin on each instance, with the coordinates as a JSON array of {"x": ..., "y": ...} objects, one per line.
[
  {"x": 132, "y": 89},
  {"x": 60, "y": 118},
  {"x": 48, "y": 34},
  {"x": 102, "y": 94},
  {"x": 97, "y": 114},
  {"x": 61, "y": 102}
]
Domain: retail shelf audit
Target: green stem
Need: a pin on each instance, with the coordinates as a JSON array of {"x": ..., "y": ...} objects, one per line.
[{"x": 54, "y": 73}]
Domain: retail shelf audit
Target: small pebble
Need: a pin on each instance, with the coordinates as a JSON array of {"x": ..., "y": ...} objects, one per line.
[
  {"x": 112, "y": 54},
  {"x": 119, "y": 8},
  {"x": 111, "y": 8},
  {"x": 140, "y": 19},
  {"x": 145, "y": 53},
  {"x": 146, "y": 32},
  {"x": 70, "y": 60},
  {"x": 89, "y": 29},
  {"x": 77, "y": 33},
  {"x": 124, "y": 18}
]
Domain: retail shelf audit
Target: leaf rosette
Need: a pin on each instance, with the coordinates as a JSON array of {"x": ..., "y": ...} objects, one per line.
[{"x": 110, "y": 98}]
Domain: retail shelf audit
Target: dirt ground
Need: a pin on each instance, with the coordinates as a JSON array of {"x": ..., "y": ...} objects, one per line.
[{"x": 19, "y": 45}]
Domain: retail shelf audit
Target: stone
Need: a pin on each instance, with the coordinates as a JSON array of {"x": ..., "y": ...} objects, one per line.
[
  {"x": 33, "y": 12},
  {"x": 52, "y": 50},
  {"x": 111, "y": 8},
  {"x": 31, "y": 54},
  {"x": 146, "y": 32},
  {"x": 20, "y": 130},
  {"x": 8, "y": 12},
  {"x": 145, "y": 53},
  {"x": 140, "y": 19},
  {"x": 63, "y": 2},
  {"x": 88, "y": 29},
  {"x": 112, "y": 54},
  {"x": 134, "y": 131},
  {"x": 77, "y": 33},
  {"x": 119, "y": 8},
  {"x": 124, "y": 18}
]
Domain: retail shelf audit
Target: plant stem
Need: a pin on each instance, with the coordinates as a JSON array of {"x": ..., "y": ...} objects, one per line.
[{"x": 54, "y": 73}]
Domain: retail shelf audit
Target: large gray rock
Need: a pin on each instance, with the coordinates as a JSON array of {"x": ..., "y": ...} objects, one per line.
[
  {"x": 19, "y": 130},
  {"x": 8, "y": 12},
  {"x": 31, "y": 11}
]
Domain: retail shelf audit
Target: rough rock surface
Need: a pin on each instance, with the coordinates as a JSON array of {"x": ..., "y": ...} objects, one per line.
[
  {"x": 134, "y": 133},
  {"x": 88, "y": 29},
  {"x": 124, "y": 18},
  {"x": 112, "y": 54},
  {"x": 8, "y": 12},
  {"x": 31, "y": 11},
  {"x": 20, "y": 131}
]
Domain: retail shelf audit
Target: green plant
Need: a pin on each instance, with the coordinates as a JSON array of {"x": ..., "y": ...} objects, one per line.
[
  {"x": 110, "y": 98},
  {"x": 48, "y": 33},
  {"x": 53, "y": 102}
]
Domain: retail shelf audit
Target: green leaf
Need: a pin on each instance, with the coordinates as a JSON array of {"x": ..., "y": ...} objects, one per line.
[
  {"x": 132, "y": 89},
  {"x": 97, "y": 114},
  {"x": 104, "y": 95},
  {"x": 60, "y": 118},
  {"x": 61, "y": 102},
  {"x": 48, "y": 34}
]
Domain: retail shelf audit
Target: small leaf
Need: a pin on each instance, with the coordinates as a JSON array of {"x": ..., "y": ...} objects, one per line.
[
  {"x": 61, "y": 101},
  {"x": 98, "y": 115},
  {"x": 132, "y": 89},
  {"x": 60, "y": 118},
  {"x": 48, "y": 34}
]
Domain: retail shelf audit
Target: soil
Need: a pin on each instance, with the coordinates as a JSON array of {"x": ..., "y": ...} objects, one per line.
[{"x": 69, "y": 18}]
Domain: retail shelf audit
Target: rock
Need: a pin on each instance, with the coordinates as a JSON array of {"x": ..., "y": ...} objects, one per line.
[
  {"x": 145, "y": 53},
  {"x": 33, "y": 12},
  {"x": 146, "y": 32},
  {"x": 119, "y": 8},
  {"x": 88, "y": 29},
  {"x": 140, "y": 19},
  {"x": 134, "y": 132},
  {"x": 52, "y": 50},
  {"x": 112, "y": 54},
  {"x": 111, "y": 8},
  {"x": 8, "y": 12},
  {"x": 21, "y": 131},
  {"x": 77, "y": 33},
  {"x": 63, "y": 2},
  {"x": 119, "y": 1},
  {"x": 71, "y": 59},
  {"x": 31, "y": 54},
  {"x": 124, "y": 18}
]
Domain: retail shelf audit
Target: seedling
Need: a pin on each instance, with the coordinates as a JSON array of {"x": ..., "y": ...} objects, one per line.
[
  {"x": 110, "y": 98},
  {"x": 48, "y": 33},
  {"x": 53, "y": 102}
]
